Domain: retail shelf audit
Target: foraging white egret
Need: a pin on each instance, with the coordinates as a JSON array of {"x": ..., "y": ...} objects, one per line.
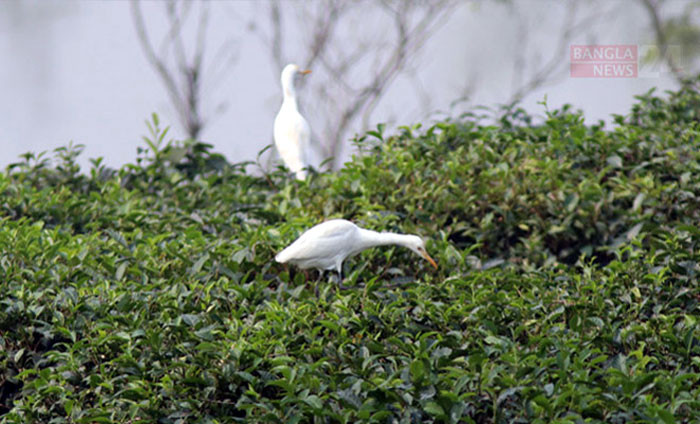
[
  {"x": 291, "y": 131},
  {"x": 326, "y": 245}
]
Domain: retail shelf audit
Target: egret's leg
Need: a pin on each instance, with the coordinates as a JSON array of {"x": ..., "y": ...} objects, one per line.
[
  {"x": 320, "y": 278},
  {"x": 334, "y": 278},
  {"x": 342, "y": 286}
]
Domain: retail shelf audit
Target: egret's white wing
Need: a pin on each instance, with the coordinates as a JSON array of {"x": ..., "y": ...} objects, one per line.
[
  {"x": 292, "y": 134},
  {"x": 323, "y": 240}
]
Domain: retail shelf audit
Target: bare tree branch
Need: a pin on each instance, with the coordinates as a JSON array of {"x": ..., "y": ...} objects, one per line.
[
  {"x": 547, "y": 71},
  {"x": 555, "y": 67},
  {"x": 351, "y": 76},
  {"x": 324, "y": 32},
  {"x": 155, "y": 61},
  {"x": 276, "y": 44},
  {"x": 181, "y": 76},
  {"x": 652, "y": 7}
]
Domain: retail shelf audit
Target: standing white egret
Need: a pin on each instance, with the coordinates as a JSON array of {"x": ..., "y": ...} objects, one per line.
[
  {"x": 326, "y": 245},
  {"x": 291, "y": 131}
]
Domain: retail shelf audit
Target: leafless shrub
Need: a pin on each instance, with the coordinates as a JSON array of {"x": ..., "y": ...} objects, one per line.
[{"x": 184, "y": 76}]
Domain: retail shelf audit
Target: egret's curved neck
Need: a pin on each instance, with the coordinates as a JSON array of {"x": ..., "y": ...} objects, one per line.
[
  {"x": 373, "y": 238},
  {"x": 290, "y": 93}
]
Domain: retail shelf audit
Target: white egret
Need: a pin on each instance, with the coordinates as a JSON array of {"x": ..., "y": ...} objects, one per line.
[
  {"x": 326, "y": 245},
  {"x": 291, "y": 131}
]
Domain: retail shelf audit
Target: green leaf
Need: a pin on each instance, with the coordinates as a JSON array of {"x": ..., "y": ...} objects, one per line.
[
  {"x": 197, "y": 266},
  {"x": 121, "y": 269},
  {"x": 417, "y": 370},
  {"x": 614, "y": 161},
  {"x": 666, "y": 416},
  {"x": 314, "y": 401},
  {"x": 434, "y": 409},
  {"x": 634, "y": 231}
]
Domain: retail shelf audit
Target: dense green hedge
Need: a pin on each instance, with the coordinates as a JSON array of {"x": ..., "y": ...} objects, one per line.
[{"x": 567, "y": 289}]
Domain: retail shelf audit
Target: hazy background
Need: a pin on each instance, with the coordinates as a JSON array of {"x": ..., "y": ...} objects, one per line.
[{"x": 75, "y": 70}]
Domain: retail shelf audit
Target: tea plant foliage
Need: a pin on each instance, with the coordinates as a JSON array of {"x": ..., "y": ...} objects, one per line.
[{"x": 567, "y": 290}]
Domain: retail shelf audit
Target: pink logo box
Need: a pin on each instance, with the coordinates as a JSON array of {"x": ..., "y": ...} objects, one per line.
[{"x": 604, "y": 61}]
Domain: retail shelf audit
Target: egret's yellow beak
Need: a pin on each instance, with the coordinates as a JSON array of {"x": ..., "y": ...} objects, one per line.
[
  {"x": 429, "y": 259},
  {"x": 305, "y": 71}
]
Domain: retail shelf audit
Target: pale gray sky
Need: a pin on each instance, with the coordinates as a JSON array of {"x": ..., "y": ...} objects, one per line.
[{"x": 75, "y": 71}]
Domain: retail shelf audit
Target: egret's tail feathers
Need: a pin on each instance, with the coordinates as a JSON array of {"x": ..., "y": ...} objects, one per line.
[{"x": 282, "y": 257}]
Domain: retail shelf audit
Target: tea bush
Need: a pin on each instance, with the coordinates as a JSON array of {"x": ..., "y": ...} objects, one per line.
[{"x": 567, "y": 289}]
